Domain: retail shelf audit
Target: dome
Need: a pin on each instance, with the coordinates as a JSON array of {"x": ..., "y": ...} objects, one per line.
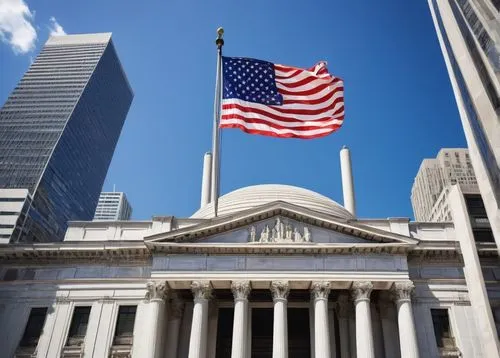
[{"x": 252, "y": 196}]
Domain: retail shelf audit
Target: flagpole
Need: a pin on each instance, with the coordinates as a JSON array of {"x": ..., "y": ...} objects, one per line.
[{"x": 216, "y": 131}]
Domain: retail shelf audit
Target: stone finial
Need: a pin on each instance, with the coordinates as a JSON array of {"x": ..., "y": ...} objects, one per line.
[
  {"x": 240, "y": 289},
  {"x": 280, "y": 290},
  {"x": 344, "y": 306},
  {"x": 320, "y": 290},
  {"x": 202, "y": 290},
  {"x": 402, "y": 291},
  {"x": 361, "y": 290},
  {"x": 156, "y": 291}
]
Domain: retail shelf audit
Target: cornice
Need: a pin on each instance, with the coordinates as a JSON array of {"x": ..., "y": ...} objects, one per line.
[
  {"x": 75, "y": 252},
  {"x": 224, "y": 224},
  {"x": 288, "y": 249}
]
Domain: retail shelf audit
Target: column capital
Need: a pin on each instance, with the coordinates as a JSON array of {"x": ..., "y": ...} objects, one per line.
[
  {"x": 241, "y": 290},
  {"x": 156, "y": 291},
  {"x": 202, "y": 290},
  {"x": 280, "y": 290},
  {"x": 361, "y": 290},
  {"x": 320, "y": 290},
  {"x": 402, "y": 291},
  {"x": 344, "y": 305}
]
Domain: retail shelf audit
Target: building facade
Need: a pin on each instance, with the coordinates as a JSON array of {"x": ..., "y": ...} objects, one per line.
[
  {"x": 113, "y": 206},
  {"x": 469, "y": 36},
  {"x": 281, "y": 272},
  {"x": 58, "y": 132},
  {"x": 433, "y": 182}
]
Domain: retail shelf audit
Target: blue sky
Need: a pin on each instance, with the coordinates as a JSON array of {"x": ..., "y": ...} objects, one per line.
[{"x": 399, "y": 104}]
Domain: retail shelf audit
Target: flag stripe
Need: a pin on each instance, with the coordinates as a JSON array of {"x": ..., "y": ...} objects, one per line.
[
  {"x": 312, "y": 104},
  {"x": 303, "y": 115},
  {"x": 265, "y": 129}
]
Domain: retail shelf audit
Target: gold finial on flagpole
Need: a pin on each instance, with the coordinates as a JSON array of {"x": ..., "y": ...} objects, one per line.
[{"x": 219, "y": 41}]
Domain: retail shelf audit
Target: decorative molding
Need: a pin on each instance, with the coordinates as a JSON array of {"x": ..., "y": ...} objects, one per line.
[
  {"x": 106, "y": 299},
  {"x": 282, "y": 232},
  {"x": 361, "y": 290},
  {"x": 240, "y": 289},
  {"x": 202, "y": 290},
  {"x": 156, "y": 291},
  {"x": 280, "y": 290},
  {"x": 344, "y": 305},
  {"x": 320, "y": 290},
  {"x": 402, "y": 291},
  {"x": 62, "y": 299}
]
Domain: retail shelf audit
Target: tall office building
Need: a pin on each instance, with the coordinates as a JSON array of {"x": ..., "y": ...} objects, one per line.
[
  {"x": 469, "y": 35},
  {"x": 429, "y": 194},
  {"x": 113, "y": 206},
  {"x": 58, "y": 132}
]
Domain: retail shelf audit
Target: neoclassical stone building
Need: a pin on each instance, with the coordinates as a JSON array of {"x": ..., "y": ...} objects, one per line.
[{"x": 281, "y": 272}]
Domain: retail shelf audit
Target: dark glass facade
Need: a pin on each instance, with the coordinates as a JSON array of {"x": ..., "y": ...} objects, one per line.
[{"x": 59, "y": 129}]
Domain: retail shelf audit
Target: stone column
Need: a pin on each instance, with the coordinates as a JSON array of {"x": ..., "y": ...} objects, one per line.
[
  {"x": 202, "y": 292},
  {"x": 153, "y": 326},
  {"x": 361, "y": 291},
  {"x": 173, "y": 327},
  {"x": 280, "y": 290},
  {"x": 320, "y": 291},
  {"x": 241, "y": 290},
  {"x": 407, "y": 335},
  {"x": 343, "y": 309}
]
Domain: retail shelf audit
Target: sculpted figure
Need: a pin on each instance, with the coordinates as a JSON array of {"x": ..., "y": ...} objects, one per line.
[
  {"x": 252, "y": 234},
  {"x": 307, "y": 234},
  {"x": 296, "y": 236},
  {"x": 288, "y": 232}
]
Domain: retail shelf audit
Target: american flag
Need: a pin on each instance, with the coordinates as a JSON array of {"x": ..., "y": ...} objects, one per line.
[{"x": 260, "y": 97}]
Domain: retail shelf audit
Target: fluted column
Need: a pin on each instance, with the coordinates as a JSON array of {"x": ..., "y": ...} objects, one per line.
[
  {"x": 241, "y": 290},
  {"x": 173, "y": 327},
  {"x": 364, "y": 337},
  {"x": 153, "y": 328},
  {"x": 280, "y": 290},
  {"x": 320, "y": 291},
  {"x": 407, "y": 335},
  {"x": 202, "y": 292},
  {"x": 343, "y": 309}
]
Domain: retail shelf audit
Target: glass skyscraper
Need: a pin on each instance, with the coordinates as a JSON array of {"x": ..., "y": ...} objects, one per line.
[
  {"x": 469, "y": 35},
  {"x": 58, "y": 132}
]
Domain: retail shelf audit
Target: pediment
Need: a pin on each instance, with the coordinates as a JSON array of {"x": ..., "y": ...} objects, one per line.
[{"x": 279, "y": 224}]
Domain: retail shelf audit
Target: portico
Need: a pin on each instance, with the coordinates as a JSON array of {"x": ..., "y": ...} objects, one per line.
[{"x": 322, "y": 300}]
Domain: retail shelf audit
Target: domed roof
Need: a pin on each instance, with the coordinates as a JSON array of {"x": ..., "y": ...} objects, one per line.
[{"x": 257, "y": 195}]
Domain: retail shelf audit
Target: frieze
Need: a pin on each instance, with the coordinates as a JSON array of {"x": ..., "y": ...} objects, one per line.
[{"x": 282, "y": 232}]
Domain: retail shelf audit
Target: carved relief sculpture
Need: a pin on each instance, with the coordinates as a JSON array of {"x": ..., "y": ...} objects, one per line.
[{"x": 280, "y": 233}]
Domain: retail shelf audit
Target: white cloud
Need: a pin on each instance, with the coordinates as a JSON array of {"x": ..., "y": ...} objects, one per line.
[
  {"x": 55, "y": 28},
  {"x": 16, "y": 28}
]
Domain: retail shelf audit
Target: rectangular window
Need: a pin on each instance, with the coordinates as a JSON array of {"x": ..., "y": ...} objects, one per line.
[
  {"x": 442, "y": 331},
  {"x": 34, "y": 327},
  {"x": 125, "y": 325},
  {"x": 78, "y": 327}
]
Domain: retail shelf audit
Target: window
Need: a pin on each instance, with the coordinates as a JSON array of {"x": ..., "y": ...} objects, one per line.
[
  {"x": 34, "y": 327},
  {"x": 78, "y": 327},
  {"x": 125, "y": 325},
  {"x": 443, "y": 334}
]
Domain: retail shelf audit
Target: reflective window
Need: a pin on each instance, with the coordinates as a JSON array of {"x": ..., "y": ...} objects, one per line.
[{"x": 58, "y": 132}]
